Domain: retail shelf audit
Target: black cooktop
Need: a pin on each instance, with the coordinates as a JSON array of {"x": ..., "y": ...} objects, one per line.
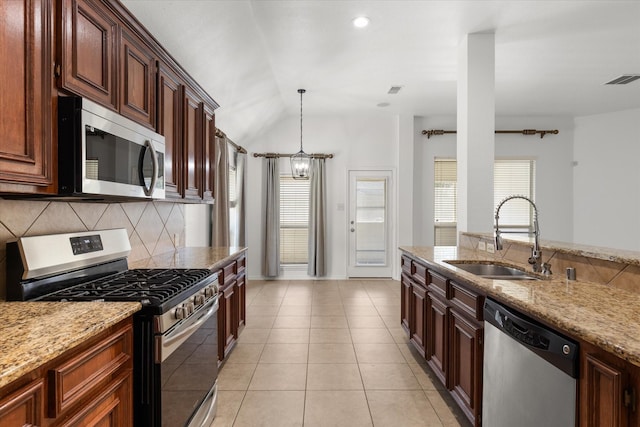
[{"x": 156, "y": 288}]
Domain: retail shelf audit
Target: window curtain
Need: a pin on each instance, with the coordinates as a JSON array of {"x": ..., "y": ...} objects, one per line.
[
  {"x": 241, "y": 174},
  {"x": 317, "y": 218},
  {"x": 271, "y": 264},
  {"x": 220, "y": 211}
]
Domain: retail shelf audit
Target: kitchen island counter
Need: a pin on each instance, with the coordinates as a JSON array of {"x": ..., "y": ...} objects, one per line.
[
  {"x": 34, "y": 333},
  {"x": 602, "y": 315}
]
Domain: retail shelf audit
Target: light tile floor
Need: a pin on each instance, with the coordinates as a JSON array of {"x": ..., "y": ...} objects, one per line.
[{"x": 328, "y": 353}]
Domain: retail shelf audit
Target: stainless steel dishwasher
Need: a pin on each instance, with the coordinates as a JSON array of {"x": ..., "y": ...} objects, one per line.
[{"x": 529, "y": 372}]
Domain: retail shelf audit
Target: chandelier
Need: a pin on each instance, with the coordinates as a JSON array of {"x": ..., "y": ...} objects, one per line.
[{"x": 300, "y": 161}]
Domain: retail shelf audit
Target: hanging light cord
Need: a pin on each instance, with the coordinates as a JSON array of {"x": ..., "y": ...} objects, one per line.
[{"x": 301, "y": 92}]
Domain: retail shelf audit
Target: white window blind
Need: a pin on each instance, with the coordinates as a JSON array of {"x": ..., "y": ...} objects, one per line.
[
  {"x": 445, "y": 177},
  {"x": 510, "y": 177},
  {"x": 514, "y": 177},
  {"x": 294, "y": 220}
]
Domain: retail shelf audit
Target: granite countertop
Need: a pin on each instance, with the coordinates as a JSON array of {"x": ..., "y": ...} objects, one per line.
[
  {"x": 34, "y": 333},
  {"x": 191, "y": 257},
  {"x": 601, "y": 315}
]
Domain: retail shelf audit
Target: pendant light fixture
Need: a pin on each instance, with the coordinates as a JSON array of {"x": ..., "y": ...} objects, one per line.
[{"x": 300, "y": 161}]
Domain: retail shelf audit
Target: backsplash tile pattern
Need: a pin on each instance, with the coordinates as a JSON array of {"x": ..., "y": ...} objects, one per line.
[
  {"x": 611, "y": 273},
  {"x": 153, "y": 227}
]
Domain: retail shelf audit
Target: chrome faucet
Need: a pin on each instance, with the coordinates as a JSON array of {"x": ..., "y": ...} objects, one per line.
[{"x": 536, "y": 254}]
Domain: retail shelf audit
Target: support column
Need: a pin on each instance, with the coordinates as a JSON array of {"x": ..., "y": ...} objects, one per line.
[{"x": 476, "y": 132}]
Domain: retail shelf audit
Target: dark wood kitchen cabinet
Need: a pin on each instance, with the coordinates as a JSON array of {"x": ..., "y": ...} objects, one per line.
[
  {"x": 186, "y": 118},
  {"x": 88, "y": 57},
  {"x": 192, "y": 131},
  {"x": 27, "y": 159},
  {"x": 405, "y": 293},
  {"x": 91, "y": 384},
  {"x": 24, "y": 406},
  {"x": 608, "y": 389},
  {"x": 232, "y": 311},
  {"x": 105, "y": 61},
  {"x": 208, "y": 151},
  {"x": 437, "y": 336},
  {"x": 137, "y": 80},
  {"x": 444, "y": 320},
  {"x": 465, "y": 366},
  {"x": 170, "y": 125}
]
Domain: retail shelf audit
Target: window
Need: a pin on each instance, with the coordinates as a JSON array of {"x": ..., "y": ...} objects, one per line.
[
  {"x": 445, "y": 213},
  {"x": 510, "y": 177},
  {"x": 514, "y": 177},
  {"x": 294, "y": 220}
]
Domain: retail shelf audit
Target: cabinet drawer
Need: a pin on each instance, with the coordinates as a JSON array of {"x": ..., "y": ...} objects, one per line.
[
  {"x": 467, "y": 300},
  {"x": 419, "y": 273},
  {"x": 242, "y": 263},
  {"x": 405, "y": 263},
  {"x": 438, "y": 284},
  {"x": 76, "y": 378},
  {"x": 229, "y": 272}
]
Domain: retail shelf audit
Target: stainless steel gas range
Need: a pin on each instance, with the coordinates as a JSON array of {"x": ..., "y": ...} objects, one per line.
[{"x": 175, "y": 333}]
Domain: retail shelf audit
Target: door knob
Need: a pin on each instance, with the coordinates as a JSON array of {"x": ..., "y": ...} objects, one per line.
[{"x": 353, "y": 229}]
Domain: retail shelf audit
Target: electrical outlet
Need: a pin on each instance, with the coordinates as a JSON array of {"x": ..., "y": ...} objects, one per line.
[
  {"x": 482, "y": 245},
  {"x": 491, "y": 248}
]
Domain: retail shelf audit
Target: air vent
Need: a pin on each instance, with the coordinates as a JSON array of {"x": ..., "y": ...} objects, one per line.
[
  {"x": 623, "y": 80},
  {"x": 394, "y": 90}
]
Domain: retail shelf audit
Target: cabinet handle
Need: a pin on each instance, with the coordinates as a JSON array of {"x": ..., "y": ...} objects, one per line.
[
  {"x": 630, "y": 398},
  {"x": 57, "y": 70}
]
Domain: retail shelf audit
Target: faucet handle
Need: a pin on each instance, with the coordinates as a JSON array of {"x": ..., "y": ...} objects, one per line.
[{"x": 546, "y": 269}]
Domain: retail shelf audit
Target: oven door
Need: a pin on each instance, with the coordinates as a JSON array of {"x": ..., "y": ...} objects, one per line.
[{"x": 188, "y": 358}]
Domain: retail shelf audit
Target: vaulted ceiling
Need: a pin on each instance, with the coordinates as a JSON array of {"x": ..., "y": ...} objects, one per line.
[{"x": 552, "y": 57}]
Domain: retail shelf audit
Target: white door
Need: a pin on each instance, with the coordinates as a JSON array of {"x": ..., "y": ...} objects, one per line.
[{"x": 369, "y": 224}]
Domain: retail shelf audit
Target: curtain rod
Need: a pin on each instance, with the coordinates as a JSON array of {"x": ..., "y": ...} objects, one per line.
[
  {"x": 221, "y": 134},
  {"x": 542, "y": 133},
  {"x": 276, "y": 155}
]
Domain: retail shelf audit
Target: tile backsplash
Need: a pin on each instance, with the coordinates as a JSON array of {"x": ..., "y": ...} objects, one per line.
[
  {"x": 153, "y": 227},
  {"x": 614, "y": 273}
]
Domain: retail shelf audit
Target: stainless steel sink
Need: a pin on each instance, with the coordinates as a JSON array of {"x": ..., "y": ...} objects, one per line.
[{"x": 493, "y": 271}]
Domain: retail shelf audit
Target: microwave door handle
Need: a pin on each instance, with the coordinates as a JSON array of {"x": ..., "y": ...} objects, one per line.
[{"x": 154, "y": 159}]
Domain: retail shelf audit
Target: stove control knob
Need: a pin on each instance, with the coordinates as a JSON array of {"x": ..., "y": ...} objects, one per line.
[
  {"x": 180, "y": 313},
  {"x": 189, "y": 308},
  {"x": 198, "y": 299},
  {"x": 209, "y": 291}
]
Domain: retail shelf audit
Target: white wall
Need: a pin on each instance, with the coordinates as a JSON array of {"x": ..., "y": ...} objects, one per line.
[
  {"x": 553, "y": 155},
  {"x": 357, "y": 143},
  {"x": 607, "y": 180},
  {"x": 197, "y": 223}
]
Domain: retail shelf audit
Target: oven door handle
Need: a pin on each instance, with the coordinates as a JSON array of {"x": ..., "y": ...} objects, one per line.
[{"x": 166, "y": 344}]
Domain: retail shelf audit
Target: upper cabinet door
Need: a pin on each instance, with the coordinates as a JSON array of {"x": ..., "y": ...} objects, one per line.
[
  {"x": 137, "y": 80},
  {"x": 209, "y": 151},
  {"x": 89, "y": 51},
  {"x": 26, "y": 141},
  {"x": 169, "y": 124},
  {"x": 192, "y": 140}
]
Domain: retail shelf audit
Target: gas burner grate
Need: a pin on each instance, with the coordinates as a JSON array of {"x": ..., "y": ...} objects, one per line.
[{"x": 156, "y": 286}]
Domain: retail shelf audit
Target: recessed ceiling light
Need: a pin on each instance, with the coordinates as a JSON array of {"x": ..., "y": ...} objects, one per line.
[
  {"x": 383, "y": 104},
  {"x": 360, "y": 22}
]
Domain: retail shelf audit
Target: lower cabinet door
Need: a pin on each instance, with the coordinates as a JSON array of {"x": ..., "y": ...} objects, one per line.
[
  {"x": 437, "y": 337},
  {"x": 603, "y": 383},
  {"x": 465, "y": 364},
  {"x": 24, "y": 406},
  {"x": 419, "y": 319},
  {"x": 405, "y": 302},
  {"x": 113, "y": 407},
  {"x": 242, "y": 301}
]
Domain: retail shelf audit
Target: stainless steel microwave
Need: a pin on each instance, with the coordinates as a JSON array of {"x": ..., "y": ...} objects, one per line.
[{"x": 101, "y": 153}]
